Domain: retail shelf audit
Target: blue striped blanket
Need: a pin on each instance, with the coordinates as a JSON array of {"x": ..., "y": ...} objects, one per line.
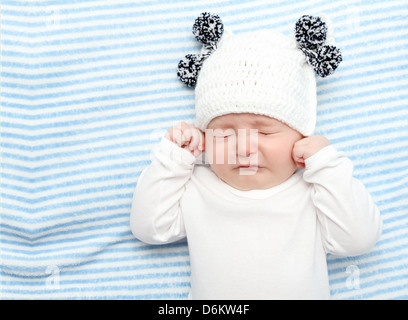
[{"x": 88, "y": 87}]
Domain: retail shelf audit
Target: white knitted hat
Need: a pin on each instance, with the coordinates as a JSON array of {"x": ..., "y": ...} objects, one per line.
[{"x": 261, "y": 72}]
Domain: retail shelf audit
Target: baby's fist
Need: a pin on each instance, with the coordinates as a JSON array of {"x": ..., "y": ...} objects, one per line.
[
  {"x": 187, "y": 137},
  {"x": 307, "y": 147}
]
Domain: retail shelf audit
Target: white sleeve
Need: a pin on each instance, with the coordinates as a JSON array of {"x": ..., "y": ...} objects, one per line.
[
  {"x": 350, "y": 222},
  {"x": 156, "y": 215}
]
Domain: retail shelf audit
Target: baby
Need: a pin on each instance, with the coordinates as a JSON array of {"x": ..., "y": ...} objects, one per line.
[{"x": 275, "y": 199}]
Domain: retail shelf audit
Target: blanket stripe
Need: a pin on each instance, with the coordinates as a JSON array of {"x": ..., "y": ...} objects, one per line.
[{"x": 88, "y": 87}]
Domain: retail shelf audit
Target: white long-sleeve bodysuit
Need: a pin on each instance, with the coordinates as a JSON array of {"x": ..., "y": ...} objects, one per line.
[{"x": 260, "y": 244}]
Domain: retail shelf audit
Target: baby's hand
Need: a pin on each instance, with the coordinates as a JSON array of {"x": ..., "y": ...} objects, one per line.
[
  {"x": 307, "y": 147},
  {"x": 188, "y": 137}
]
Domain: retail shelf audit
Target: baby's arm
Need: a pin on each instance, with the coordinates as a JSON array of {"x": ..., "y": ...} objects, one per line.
[
  {"x": 350, "y": 221},
  {"x": 156, "y": 214}
]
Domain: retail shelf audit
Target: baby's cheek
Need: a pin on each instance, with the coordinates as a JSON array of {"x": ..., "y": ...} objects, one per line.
[
  {"x": 221, "y": 152},
  {"x": 277, "y": 153},
  {"x": 223, "y": 172}
]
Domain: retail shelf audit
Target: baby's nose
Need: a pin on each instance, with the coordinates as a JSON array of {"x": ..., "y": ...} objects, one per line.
[{"x": 247, "y": 142}]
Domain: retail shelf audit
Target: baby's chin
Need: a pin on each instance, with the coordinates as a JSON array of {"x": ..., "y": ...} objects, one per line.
[
  {"x": 254, "y": 178},
  {"x": 247, "y": 179}
]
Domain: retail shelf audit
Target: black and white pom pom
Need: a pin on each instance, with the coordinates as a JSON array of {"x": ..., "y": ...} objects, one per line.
[
  {"x": 328, "y": 59},
  {"x": 310, "y": 32},
  {"x": 189, "y": 68},
  {"x": 208, "y": 28},
  {"x": 311, "y": 35}
]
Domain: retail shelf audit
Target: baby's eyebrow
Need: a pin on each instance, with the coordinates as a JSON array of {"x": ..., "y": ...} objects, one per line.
[
  {"x": 263, "y": 124},
  {"x": 225, "y": 126},
  {"x": 222, "y": 131},
  {"x": 254, "y": 124}
]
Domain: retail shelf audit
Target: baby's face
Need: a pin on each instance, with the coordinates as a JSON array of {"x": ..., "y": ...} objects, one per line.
[{"x": 249, "y": 151}]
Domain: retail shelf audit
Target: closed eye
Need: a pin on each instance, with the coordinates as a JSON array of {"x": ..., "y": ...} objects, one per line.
[
  {"x": 267, "y": 133},
  {"x": 223, "y": 136}
]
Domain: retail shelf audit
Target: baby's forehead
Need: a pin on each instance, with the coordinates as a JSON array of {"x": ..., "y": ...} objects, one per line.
[{"x": 236, "y": 120}]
